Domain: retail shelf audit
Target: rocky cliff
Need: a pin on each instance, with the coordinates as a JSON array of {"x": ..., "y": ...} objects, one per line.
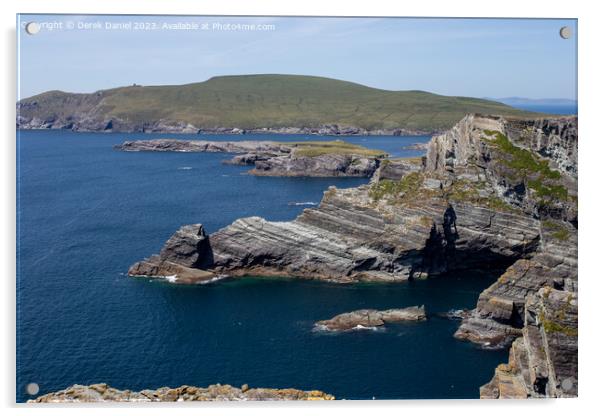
[
  {"x": 103, "y": 393},
  {"x": 490, "y": 193}
]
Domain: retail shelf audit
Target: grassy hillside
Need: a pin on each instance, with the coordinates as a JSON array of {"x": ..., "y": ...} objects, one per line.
[{"x": 255, "y": 101}]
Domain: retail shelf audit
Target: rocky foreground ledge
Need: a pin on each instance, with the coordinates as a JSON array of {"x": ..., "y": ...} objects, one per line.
[
  {"x": 491, "y": 193},
  {"x": 371, "y": 318},
  {"x": 103, "y": 393},
  {"x": 310, "y": 158}
]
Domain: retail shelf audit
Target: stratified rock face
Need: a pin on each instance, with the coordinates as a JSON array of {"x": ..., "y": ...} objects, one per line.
[
  {"x": 543, "y": 362},
  {"x": 217, "y": 392},
  {"x": 532, "y": 163},
  {"x": 371, "y": 318}
]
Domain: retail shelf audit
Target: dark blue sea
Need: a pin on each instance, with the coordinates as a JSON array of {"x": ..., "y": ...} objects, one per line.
[{"x": 87, "y": 212}]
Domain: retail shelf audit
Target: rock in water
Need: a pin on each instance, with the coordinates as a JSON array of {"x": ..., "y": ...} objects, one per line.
[
  {"x": 217, "y": 392},
  {"x": 371, "y": 318},
  {"x": 181, "y": 259}
]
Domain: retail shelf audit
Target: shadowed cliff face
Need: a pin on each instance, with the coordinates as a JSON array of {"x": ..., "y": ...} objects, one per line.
[{"x": 491, "y": 192}]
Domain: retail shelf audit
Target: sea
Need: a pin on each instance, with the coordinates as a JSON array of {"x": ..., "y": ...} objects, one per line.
[{"x": 86, "y": 212}]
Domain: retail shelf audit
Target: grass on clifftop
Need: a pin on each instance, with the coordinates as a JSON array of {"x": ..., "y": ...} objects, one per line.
[
  {"x": 337, "y": 147},
  {"x": 270, "y": 100},
  {"x": 536, "y": 172}
]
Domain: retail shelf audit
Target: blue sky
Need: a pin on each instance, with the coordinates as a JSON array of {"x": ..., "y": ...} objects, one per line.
[{"x": 467, "y": 57}]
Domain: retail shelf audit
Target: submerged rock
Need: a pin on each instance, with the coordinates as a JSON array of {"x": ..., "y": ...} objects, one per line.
[
  {"x": 103, "y": 393},
  {"x": 371, "y": 318}
]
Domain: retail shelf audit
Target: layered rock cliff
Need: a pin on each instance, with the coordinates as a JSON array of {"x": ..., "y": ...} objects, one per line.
[
  {"x": 490, "y": 193},
  {"x": 101, "y": 392}
]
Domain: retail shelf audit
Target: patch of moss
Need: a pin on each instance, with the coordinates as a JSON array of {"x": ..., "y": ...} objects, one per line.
[
  {"x": 552, "y": 327},
  {"x": 426, "y": 221},
  {"x": 337, "y": 147},
  {"x": 557, "y": 230},
  {"x": 413, "y": 160},
  {"x": 409, "y": 184}
]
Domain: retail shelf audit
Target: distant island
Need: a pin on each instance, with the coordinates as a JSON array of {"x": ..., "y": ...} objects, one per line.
[{"x": 255, "y": 104}]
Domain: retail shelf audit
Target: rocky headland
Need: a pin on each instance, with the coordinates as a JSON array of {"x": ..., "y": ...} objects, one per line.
[
  {"x": 491, "y": 193},
  {"x": 308, "y": 158},
  {"x": 371, "y": 318},
  {"x": 218, "y": 392}
]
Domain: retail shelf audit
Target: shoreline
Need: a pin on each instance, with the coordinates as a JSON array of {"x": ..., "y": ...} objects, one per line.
[{"x": 285, "y": 131}]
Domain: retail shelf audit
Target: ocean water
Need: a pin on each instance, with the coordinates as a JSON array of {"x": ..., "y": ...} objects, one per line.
[
  {"x": 558, "y": 109},
  {"x": 86, "y": 212}
]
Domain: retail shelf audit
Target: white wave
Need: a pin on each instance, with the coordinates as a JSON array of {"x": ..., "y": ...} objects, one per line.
[
  {"x": 185, "y": 168},
  {"x": 303, "y": 203},
  {"x": 370, "y": 328},
  {"x": 214, "y": 279},
  {"x": 172, "y": 279}
]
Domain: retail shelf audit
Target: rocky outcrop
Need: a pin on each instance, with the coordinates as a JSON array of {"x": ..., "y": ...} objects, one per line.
[
  {"x": 181, "y": 259},
  {"x": 273, "y": 158},
  {"x": 491, "y": 193},
  {"x": 371, "y": 318},
  {"x": 318, "y": 166},
  {"x": 101, "y": 392},
  {"x": 177, "y": 145}
]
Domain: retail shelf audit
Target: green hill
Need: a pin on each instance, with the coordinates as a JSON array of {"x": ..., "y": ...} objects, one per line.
[{"x": 257, "y": 101}]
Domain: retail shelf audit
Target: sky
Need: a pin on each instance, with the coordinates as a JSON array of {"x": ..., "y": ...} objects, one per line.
[{"x": 465, "y": 57}]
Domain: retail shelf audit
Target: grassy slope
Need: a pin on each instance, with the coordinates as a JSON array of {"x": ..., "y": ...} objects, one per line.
[
  {"x": 251, "y": 101},
  {"x": 338, "y": 147}
]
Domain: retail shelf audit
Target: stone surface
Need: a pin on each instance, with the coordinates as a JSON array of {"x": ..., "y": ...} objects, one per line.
[
  {"x": 103, "y": 393},
  {"x": 371, "y": 318}
]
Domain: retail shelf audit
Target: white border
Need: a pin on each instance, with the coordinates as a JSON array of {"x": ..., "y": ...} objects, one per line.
[{"x": 590, "y": 176}]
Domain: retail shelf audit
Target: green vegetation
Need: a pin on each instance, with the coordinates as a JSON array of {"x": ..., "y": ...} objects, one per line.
[
  {"x": 466, "y": 191},
  {"x": 557, "y": 230},
  {"x": 551, "y": 326},
  {"x": 408, "y": 185},
  {"x": 256, "y": 101},
  {"x": 339, "y": 147},
  {"x": 526, "y": 166}
]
